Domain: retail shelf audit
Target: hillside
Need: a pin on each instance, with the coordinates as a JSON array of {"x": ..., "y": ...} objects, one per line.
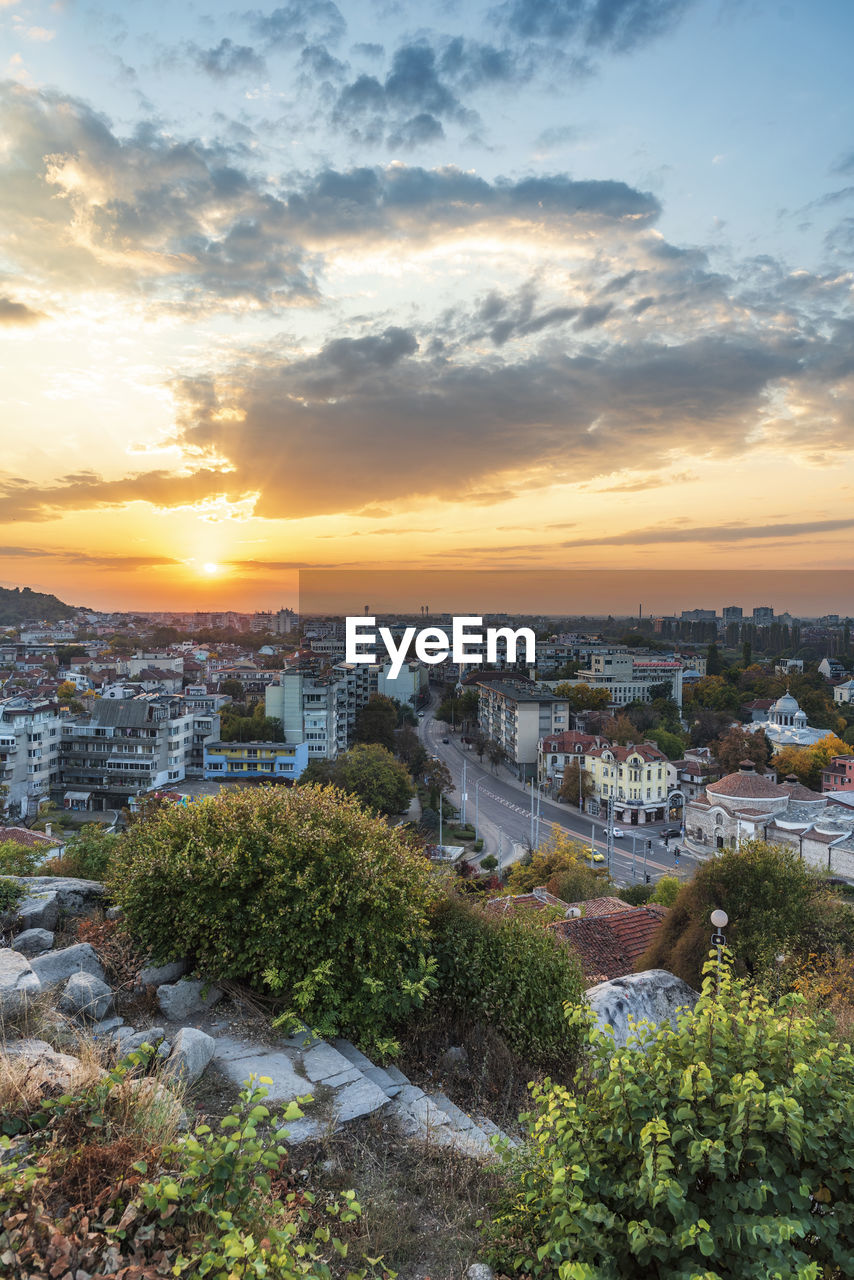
[{"x": 20, "y": 604}]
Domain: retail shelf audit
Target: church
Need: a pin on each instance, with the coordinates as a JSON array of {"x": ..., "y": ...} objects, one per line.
[{"x": 787, "y": 726}]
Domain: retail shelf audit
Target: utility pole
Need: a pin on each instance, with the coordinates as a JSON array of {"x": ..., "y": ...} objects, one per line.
[
  {"x": 634, "y": 848},
  {"x": 464, "y": 797},
  {"x": 610, "y": 831},
  {"x": 532, "y": 813}
]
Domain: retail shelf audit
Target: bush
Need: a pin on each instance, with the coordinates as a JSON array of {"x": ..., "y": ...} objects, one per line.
[
  {"x": 490, "y": 862},
  {"x": 478, "y": 845},
  {"x": 510, "y": 974},
  {"x": 301, "y": 890},
  {"x": 86, "y": 855},
  {"x": 11, "y": 894},
  {"x": 636, "y": 894},
  {"x": 722, "y": 1150},
  {"x": 666, "y": 890},
  {"x": 16, "y": 860}
]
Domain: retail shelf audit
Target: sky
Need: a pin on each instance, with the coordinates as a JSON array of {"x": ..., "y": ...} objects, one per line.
[{"x": 534, "y": 284}]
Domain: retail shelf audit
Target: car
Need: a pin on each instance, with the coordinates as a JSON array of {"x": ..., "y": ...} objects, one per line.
[
  {"x": 446, "y": 741},
  {"x": 594, "y": 855},
  {"x": 618, "y": 833},
  {"x": 420, "y": 715},
  {"x": 672, "y": 833}
]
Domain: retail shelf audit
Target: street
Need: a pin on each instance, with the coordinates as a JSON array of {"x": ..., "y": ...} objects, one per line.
[{"x": 502, "y": 808}]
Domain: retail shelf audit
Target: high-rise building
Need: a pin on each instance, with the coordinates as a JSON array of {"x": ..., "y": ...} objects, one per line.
[
  {"x": 763, "y": 616},
  {"x": 732, "y": 613}
]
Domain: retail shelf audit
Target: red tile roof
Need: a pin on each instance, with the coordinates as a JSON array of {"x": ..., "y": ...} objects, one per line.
[
  {"x": 609, "y": 946},
  {"x": 28, "y": 839},
  {"x": 535, "y": 901},
  {"x": 601, "y": 906}
]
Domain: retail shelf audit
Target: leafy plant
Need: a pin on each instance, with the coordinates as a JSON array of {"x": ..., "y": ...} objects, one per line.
[
  {"x": 299, "y": 890},
  {"x": 16, "y": 860},
  {"x": 86, "y": 855},
  {"x": 719, "y": 1149},
  {"x": 508, "y": 973},
  {"x": 11, "y": 894}
]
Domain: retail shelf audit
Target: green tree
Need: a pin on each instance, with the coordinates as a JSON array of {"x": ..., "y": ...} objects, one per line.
[
  {"x": 376, "y": 721},
  {"x": 438, "y": 780},
  {"x": 371, "y": 772},
  {"x": 233, "y": 688},
  {"x": 297, "y": 890},
  {"x": 714, "y": 666},
  {"x": 721, "y": 1151},
  {"x": 411, "y": 750},
  {"x": 672, "y": 744},
  {"x": 666, "y": 890},
  {"x": 775, "y": 903},
  {"x": 579, "y": 883}
]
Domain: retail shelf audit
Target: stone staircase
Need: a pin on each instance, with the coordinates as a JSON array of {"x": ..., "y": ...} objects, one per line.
[{"x": 347, "y": 1086}]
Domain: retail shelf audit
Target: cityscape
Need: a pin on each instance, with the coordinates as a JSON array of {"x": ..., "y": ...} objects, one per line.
[{"x": 426, "y": 662}]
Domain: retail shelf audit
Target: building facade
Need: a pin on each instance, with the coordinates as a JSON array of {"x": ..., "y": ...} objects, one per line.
[
  {"x": 30, "y": 737},
  {"x": 270, "y": 761},
  {"x": 517, "y": 716}
]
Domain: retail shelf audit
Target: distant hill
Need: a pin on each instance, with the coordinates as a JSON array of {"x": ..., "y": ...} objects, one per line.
[{"x": 20, "y": 604}]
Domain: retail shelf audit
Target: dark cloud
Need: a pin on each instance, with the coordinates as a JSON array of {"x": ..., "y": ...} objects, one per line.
[
  {"x": 727, "y": 533},
  {"x": 615, "y": 25},
  {"x": 17, "y": 313},
  {"x": 228, "y": 59},
  {"x": 316, "y": 59},
  {"x": 413, "y": 133},
  {"x": 300, "y": 23},
  {"x": 88, "y": 558}
]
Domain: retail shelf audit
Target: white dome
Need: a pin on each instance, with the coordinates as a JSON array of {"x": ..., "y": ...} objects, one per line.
[{"x": 787, "y": 705}]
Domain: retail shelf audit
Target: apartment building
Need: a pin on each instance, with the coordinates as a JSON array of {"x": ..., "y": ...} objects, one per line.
[
  {"x": 30, "y": 735},
  {"x": 631, "y": 677},
  {"x": 270, "y": 761},
  {"x": 130, "y": 746},
  {"x": 634, "y": 777},
  {"x": 517, "y": 715}
]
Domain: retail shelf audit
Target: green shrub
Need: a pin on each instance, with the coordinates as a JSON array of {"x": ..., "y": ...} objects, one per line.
[
  {"x": 478, "y": 846},
  {"x": 490, "y": 862},
  {"x": 11, "y": 894},
  {"x": 718, "y": 1150},
  {"x": 509, "y": 973},
  {"x": 666, "y": 890},
  {"x": 16, "y": 860},
  {"x": 301, "y": 890},
  {"x": 86, "y": 855}
]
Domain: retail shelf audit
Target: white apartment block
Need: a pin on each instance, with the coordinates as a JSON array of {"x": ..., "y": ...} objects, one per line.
[
  {"x": 517, "y": 716},
  {"x": 30, "y": 735},
  {"x": 630, "y": 678}
]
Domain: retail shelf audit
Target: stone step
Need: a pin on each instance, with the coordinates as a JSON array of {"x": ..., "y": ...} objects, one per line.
[
  {"x": 455, "y": 1114},
  {"x": 353, "y": 1055},
  {"x": 383, "y": 1077},
  {"x": 491, "y": 1129}
]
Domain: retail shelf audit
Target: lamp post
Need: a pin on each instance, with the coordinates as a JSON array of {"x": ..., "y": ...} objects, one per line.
[
  {"x": 477, "y": 809},
  {"x": 720, "y": 920},
  {"x": 464, "y": 796}
]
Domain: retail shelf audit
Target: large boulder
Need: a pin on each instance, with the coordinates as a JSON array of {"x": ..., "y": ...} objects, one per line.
[
  {"x": 652, "y": 996},
  {"x": 39, "y": 1068},
  {"x": 191, "y": 1053},
  {"x": 155, "y": 975},
  {"x": 180, "y": 1000},
  {"x": 33, "y": 942},
  {"x": 86, "y": 997},
  {"x": 75, "y": 897},
  {"x": 58, "y": 966},
  {"x": 18, "y": 982},
  {"x": 38, "y": 910}
]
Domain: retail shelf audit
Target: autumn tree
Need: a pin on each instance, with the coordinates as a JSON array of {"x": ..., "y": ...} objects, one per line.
[
  {"x": 577, "y": 784},
  {"x": 438, "y": 780},
  {"x": 583, "y": 697},
  {"x": 559, "y": 853},
  {"x": 807, "y": 763},
  {"x": 739, "y": 744}
]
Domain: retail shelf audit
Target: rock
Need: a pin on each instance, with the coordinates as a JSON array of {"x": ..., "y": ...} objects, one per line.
[
  {"x": 653, "y": 995},
  {"x": 107, "y": 1026},
  {"x": 46, "y": 1070},
  {"x": 18, "y": 982},
  {"x": 454, "y": 1061},
  {"x": 74, "y": 897},
  {"x": 58, "y": 966},
  {"x": 479, "y": 1271},
  {"x": 113, "y": 913},
  {"x": 191, "y": 1053},
  {"x": 32, "y": 942},
  {"x": 38, "y": 910},
  {"x": 155, "y": 975},
  {"x": 155, "y": 1036},
  {"x": 86, "y": 997},
  {"x": 360, "y": 1098},
  {"x": 180, "y": 1000}
]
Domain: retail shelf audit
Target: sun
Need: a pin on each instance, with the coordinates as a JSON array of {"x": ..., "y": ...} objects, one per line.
[{"x": 210, "y": 569}]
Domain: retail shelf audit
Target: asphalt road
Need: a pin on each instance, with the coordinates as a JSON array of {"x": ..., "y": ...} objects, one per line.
[{"x": 503, "y": 812}]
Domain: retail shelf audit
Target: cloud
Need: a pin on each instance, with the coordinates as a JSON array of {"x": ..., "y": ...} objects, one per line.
[
  {"x": 89, "y": 559},
  {"x": 302, "y": 22},
  {"x": 598, "y": 25},
  {"x": 17, "y": 313},
  {"x": 727, "y": 533},
  {"x": 228, "y": 59},
  {"x": 23, "y": 501}
]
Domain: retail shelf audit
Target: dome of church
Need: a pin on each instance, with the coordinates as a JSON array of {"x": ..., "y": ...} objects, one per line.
[{"x": 786, "y": 705}]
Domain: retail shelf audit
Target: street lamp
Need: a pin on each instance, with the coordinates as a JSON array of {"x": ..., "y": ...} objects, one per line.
[
  {"x": 720, "y": 920},
  {"x": 477, "y": 808}
]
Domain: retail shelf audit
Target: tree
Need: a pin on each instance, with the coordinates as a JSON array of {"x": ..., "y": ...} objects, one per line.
[
  {"x": 376, "y": 721},
  {"x": 496, "y": 753},
  {"x": 559, "y": 853},
  {"x": 666, "y": 890},
  {"x": 371, "y": 772},
  {"x": 411, "y": 750},
  {"x": 714, "y": 666},
  {"x": 232, "y": 688},
  {"x": 67, "y": 691},
  {"x": 579, "y": 883},
  {"x": 620, "y": 730},
  {"x": 739, "y": 744},
  {"x": 807, "y": 763},
  {"x": 577, "y": 784},
  {"x": 296, "y": 890},
  {"x": 721, "y": 1151},
  {"x": 672, "y": 744},
  {"x": 583, "y": 697},
  {"x": 438, "y": 780},
  {"x": 775, "y": 903}
]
